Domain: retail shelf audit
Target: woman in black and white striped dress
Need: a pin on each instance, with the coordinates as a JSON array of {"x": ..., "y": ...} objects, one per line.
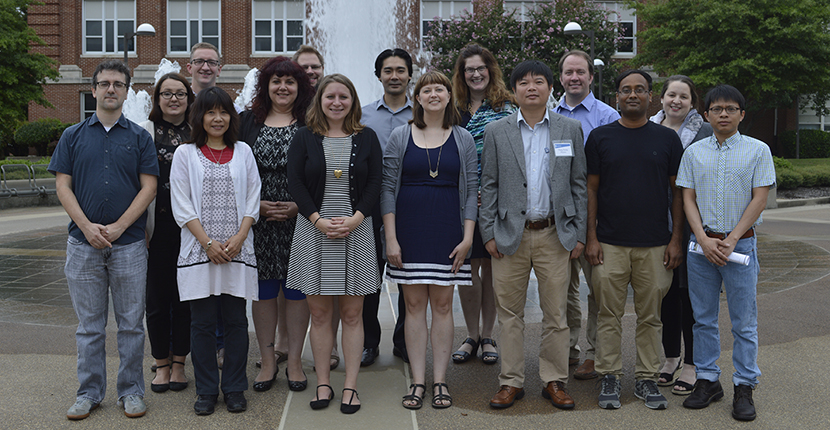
[{"x": 334, "y": 176}]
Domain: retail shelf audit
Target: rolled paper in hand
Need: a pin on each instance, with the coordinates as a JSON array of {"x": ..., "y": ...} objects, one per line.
[{"x": 734, "y": 257}]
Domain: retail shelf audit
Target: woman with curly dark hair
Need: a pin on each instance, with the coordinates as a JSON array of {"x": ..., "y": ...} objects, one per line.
[{"x": 283, "y": 94}]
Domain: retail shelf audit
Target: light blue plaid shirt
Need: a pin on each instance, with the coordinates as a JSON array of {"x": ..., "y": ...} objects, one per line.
[{"x": 723, "y": 177}]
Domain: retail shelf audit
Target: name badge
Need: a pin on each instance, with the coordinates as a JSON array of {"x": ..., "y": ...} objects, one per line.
[{"x": 563, "y": 148}]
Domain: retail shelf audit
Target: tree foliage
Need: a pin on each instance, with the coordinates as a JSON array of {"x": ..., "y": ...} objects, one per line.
[
  {"x": 22, "y": 72},
  {"x": 773, "y": 51},
  {"x": 540, "y": 36}
]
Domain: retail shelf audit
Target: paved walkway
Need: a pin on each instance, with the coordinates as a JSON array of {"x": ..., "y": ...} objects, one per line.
[{"x": 37, "y": 358}]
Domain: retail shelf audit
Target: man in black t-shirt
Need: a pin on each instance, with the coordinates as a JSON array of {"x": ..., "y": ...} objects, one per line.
[{"x": 631, "y": 165}]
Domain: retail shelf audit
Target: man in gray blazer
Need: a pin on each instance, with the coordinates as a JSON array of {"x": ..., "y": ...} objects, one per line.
[{"x": 532, "y": 216}]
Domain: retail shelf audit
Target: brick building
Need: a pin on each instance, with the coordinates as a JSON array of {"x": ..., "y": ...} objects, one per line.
[{"x": 81, "y": 33}]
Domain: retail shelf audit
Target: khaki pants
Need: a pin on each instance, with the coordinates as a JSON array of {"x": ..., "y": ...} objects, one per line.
[
  {"x": 643, "y": 268},
  {"x": 575, "y": 309},
  {"x": 541, "y": 251}
]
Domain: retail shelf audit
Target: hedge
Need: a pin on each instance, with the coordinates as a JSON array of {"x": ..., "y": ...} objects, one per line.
[
  {"x": 39, "y": 134},
  {"x": 788, "y": 177},
  {"x": 812, "y": 144}
]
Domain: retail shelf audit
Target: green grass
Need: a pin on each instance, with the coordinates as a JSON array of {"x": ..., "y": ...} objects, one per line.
[{"x": 807, "y": 162}]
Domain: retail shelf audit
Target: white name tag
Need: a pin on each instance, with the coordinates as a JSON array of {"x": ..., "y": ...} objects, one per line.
[{"x": 563, "y": 148}]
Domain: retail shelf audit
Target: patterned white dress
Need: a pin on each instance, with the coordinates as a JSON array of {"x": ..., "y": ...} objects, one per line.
[{"x": 344, "y": 266}]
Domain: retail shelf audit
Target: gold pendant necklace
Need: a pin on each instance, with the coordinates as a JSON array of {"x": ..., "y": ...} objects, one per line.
[
  {"x": 338, "y": 172},
  {"x": 434, "y": 173}
]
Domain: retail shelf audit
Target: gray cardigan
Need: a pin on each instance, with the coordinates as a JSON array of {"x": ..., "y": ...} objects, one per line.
[{"x": 467, "y": 178}]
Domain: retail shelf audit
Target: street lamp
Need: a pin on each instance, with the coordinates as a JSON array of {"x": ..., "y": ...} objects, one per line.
[
  {"x": 599, "y": 64},
  {"x": 142, "y": 30},
  {"x": 573, "y": 28}
]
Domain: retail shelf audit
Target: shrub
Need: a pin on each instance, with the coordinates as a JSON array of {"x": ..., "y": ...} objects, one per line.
[
  {"x": 812, "y": 144},
  {"x": 788, "y": 179},
  {"x": 39, "y": 133},
  {"x": 815, "y": 176},
  {"x": 781, "y": 163}
]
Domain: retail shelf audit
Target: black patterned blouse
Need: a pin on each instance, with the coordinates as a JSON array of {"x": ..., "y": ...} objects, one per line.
[
  {"x": 272, "y": 239},
  {"x": 168, "y": 137}
]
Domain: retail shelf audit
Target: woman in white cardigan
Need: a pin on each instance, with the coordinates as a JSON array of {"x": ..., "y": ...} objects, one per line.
[{"x": 215, "y": 188}]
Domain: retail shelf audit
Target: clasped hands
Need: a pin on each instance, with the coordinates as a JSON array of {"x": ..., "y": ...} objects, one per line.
[
  {"x": 225, "y": 252},
  {"x": 337, "y": 227}
]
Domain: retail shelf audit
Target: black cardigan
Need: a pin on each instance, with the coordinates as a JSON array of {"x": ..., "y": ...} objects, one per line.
[
  {"x": 248, "y": 128},
  {"x": 307, "y": 172}
]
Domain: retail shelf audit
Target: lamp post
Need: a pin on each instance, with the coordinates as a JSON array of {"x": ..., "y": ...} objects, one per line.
[
  {"x": 573, "y": 28},
  {"x": 599, "y": 64},
  {"x": 142, "y": 30}
]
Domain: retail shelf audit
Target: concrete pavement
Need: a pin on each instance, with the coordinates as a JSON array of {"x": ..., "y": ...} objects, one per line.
[{"x": 37, "y": 358}]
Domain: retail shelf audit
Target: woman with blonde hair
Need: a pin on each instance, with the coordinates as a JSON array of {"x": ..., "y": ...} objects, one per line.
[
  {"x": 429, "y": 210},
  {"x": 334, "y": 176}
]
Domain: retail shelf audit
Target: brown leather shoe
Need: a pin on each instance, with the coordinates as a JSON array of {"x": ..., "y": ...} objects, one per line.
[
  {"x": 586, "y": 370},
  {"x": 555, "y": 392},
  {"x": 506, "y": 396}
]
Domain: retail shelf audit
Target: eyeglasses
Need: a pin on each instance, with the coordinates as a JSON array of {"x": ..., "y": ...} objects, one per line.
[
  {"x": 472, "y": 70},
  {"x": 103, "y": 85},
  {"x": 199, "y": 61},
  {"x": 167, "y": 95},
  {"x": 729, "y": 109},
  {"x": 639, "y": 91}
]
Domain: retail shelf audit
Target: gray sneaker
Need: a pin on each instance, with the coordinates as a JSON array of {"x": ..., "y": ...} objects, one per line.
[
  {"x": 81, "y": 409},
  {"x": 609, "y": 395},
  {"x": 134, "y": 406},
  {"x": 647, "y": 390}
]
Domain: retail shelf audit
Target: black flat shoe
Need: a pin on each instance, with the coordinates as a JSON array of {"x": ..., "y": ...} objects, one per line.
[
  {"x": 265, "y": 385},
  {"x": 160, "y": 388},
  {"x": 296, "y": 385},
  {"x": 177, "y": 386},
  {"x": 205, "y": 404},
  {"x": 488, "y": 357},
  {"x": 349, "y": 408},
  {"x": 322, "y": 403},
  {"x": 463, "y": 356}
]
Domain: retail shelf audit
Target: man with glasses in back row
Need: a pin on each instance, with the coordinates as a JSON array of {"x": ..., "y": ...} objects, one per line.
[
  {"x": 204, "y": 66},
  {"x": 106, "y": 171}
]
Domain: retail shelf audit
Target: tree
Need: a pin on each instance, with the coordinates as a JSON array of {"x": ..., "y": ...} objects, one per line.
[
  {"x": 22, "y": 72},
  {"x": 773, "y": 51},
  {"x": 512, "y": 41}
]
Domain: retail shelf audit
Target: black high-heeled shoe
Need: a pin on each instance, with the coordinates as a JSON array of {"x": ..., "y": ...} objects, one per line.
[
  {"x": 349, "y": 408},
  {"x": 322, "y": 403},
  {"x": 463, "y": 356},
  {"x": 296, "y": 385}
]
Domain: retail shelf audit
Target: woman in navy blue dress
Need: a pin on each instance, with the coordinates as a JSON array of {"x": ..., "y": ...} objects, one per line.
[{"x": 428, "y": 201}]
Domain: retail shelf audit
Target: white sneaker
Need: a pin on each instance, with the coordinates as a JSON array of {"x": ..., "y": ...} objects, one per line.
[{"x": 134, "y": 406}]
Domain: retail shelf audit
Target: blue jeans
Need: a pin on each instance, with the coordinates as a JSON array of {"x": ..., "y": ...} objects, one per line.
[
  {"x": 739, "y": 282},
  {"x": 93, "y": 276}
]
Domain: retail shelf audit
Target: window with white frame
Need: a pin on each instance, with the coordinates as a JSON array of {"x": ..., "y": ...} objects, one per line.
[
  {"x": 808, "y": 120},
  {"x": 278, "y": 26},
  {"x": 522, "y": 7},
  {"x": 445, "y": 10},
  {"x": 88, "y": 105},
  {"x": 618, "y": 12},
  {"x": 105, "y": 23},
  {"x": 192, "y": 21}
]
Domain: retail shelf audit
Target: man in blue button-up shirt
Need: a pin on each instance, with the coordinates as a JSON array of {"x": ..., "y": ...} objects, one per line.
[
  {"x": 106, "y": 171},
  {"x": 576, "y": 74},
  {"x": 393, "y": 67},
  {"x": 725, "y": 179}
]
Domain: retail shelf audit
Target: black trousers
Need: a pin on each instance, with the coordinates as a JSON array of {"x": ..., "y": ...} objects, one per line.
[
  {"x": 371, "y": 302},
  {"x": 203, "y": 341},
  {"x": 168, "y": 319},
  {"x": 676, "y": 312}
]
